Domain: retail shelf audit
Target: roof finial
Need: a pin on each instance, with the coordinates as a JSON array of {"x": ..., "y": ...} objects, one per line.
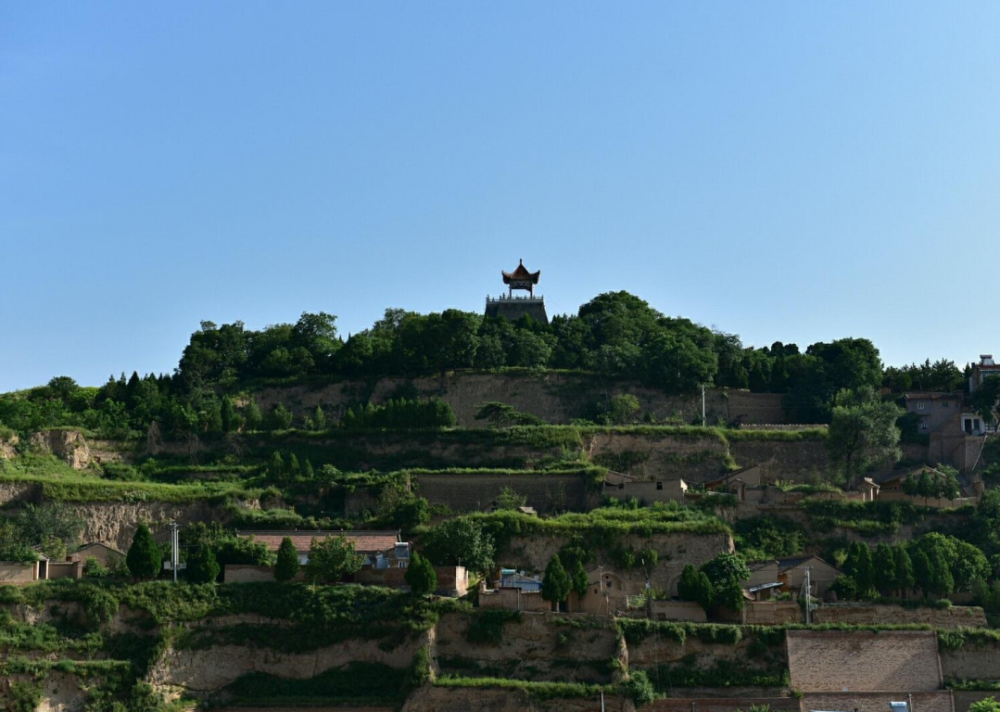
[{"x": 521, "y": 262}]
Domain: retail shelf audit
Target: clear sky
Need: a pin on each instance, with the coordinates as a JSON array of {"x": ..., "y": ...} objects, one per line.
[{"x": 792, "y": 171}]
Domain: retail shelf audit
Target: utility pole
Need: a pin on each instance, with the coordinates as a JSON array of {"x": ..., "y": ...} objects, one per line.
[
  {"x": 703, "y": 405},
  {"x": 175, "y": 545},
  {"x": 808, "y": 592}
]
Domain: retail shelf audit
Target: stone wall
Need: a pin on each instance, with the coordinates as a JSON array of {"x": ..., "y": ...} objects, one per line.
[
  {"x": 859, "y": 661},
  {"x": 470, "y": 493},
  {"x": 877, "y": 701},
  {"x": 963, "y": 700},
  {"x": 485, "y": 699},
  {"x": 867, "y": 614},
  {"x": 972, "y": 661},
  {"x": 723, "y": 704},
  {"x": 772, "y": 613},
  {"x": 655, "y": 650},
  {"x": 797, "y": 461},
  {"x": 541, "y": 646}
]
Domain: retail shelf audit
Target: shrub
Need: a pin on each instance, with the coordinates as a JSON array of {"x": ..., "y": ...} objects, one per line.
[
  {"x": 287, "y": 566},
  {"x": 143, "y": 558},
  {"x": 420, "y": 576}
]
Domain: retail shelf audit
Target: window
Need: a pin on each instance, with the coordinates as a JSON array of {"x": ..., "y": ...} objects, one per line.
[
  {"x": 923, "y": 426},
  {"x": 659, "y": 485},
  {"x": 920, "y": 406},
  {"x": 946, "y": 404}
]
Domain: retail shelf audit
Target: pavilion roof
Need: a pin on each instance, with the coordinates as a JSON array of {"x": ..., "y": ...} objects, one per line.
[{"x": 521, "y": 274}]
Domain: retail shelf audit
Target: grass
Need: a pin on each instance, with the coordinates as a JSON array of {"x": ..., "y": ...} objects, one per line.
[
  {"x": 60, "y": 482},
  {"x": 535, "y": 690}
]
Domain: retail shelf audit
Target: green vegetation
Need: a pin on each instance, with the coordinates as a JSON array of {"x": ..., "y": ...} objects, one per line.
[{"x": 420, "y": 575}]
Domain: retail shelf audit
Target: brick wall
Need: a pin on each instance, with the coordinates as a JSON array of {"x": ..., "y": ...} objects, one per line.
[
  {"x": 722, "y": 704},
  {"x": 467, "y": 493},
  {"x": 860, "y": 661},
  {"x": 974, "y": 661},
  {"x": 963, "y": 700},
  {"x": 513, "y": 599},
  {"x": 865, "y": 614},
  {"x": 877, "y": 701},
  {"x": 746, "y": 407}
]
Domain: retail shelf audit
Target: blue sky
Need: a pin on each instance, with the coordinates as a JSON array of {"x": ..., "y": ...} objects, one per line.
[{"x": 783, "y": 170}]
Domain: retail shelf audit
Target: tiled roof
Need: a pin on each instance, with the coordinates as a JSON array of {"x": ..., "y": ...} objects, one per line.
[
  {"x": 925, "y": 395},
  {"x": 365, "y": 542},
  {"x": 521, "y": 274}
]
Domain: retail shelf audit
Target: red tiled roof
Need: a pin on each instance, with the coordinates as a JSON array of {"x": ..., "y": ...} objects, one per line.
[
  {"x": 365, "y": 542},
  {"x": 521, "y": 274}
]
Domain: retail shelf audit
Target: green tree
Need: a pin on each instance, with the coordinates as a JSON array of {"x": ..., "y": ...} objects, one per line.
[
  {"x": 986, "y": 400},
  {"x": 923, "y": 574},
  {"x": 281, "y": 418},
  {"x": 499, "y": 415},
  {"x": 904, "y": 571},
  {"x": 332, "y": 558},
  {"x": 580, "y": 580},
  {"x": 287, "y": 565},
  {"x": 231, "y": 421},
  {"x": 988, "y": 704},
  {"x": 846, "y": 587},
  {"x": 143, "y": 558},
  {"x": 251, "y": 415},
  {"x": 420, "y": 575},
  {"x": 863, "y": 431},
  {"x": 886, "y": 579},
  {"x": 694, "y": 585},
  {"x": 319, "y": 421},
  {"x": 508, "y": 499},
  {"x": 202, "y": 566},
  {"x": 860, "y": 566},
  {"x": 726, "y": 573},
  {"x": 622, "y": 409},
  {"x": 460, "y": 542},
  {"x": 556, "y": 584}
]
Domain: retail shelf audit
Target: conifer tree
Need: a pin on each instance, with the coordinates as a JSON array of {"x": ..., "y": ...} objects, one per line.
[
  {"x": 420, "y": 575},
  {"x": 905, "y": 580},
  {"x": 694, "y": 585},
  {"x": 202, "y": 566},
  {"x": 580, "y": 581},
  {"x": 319, "y": 419},
  {"x": 252, "y": 416},
  {"x": 922, "y": 572},
  {"x": 143, "y": 558},
  {"x": 293, "y": 466},
  {"x": 308, "y": 473},
  {"x": 884, "y": 561},
  {"x": 276, "y": 467},
  {"x": 556, "y": 584},
  {"x": 287, "y": 565},
  {"x": 230, "y": 418}
]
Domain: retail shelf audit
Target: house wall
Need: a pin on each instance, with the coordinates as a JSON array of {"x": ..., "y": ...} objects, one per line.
[
  {"x": 685, "y": 611},
  {"x": 935, "y": 414},
  {"x": 864, "y": 614},
  {"x": 765, "y": 574},
  {"x": 102, "y": 553},
  {"x": 821, "y": 575},
  {"x": 858, "y": 661},
  {"x": 17, "y": 574},
  {"x": 513, "y": 599},
  {"x": 65, "y": 569},
  {"x": 648, "y": 492}
]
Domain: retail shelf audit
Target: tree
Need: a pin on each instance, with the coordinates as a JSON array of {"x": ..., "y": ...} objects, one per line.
[
  {"x": 281, "y": 418},
  {"x": 202, "y": 566},
  {"x": 884, "y": 560},
  {"x": 508, "y": 499},
  {"x": 923, "y": 576},
  {"x": 420, "y": 575},
  {"x": 863, "y": 431},
  {"x": 580, "y": 580},
  {"x": 726, "y": 573},
  {"x": 251, "y": 416},
  {"x": 287, "y": 565},
  {"x": 460, "y": 542},
  {"x": 846, "y": 587},
  {"x": 695, "y": 586},
  {"x": 556, "y": 584},
  {"x": 230, "y": 418},
  {"x": 499, "y": 415},
  {"x": 988, "y": 704},
  {"x": 319, "y": 419},
  {"x": 986, "y": 400},
  {"x": 332, "y": 558},
  {"x": 904, "y": 571},
  {"x": 143, "y": 558},
  {"x": 861, "y": 568},
  {"x": 622, "y": 409}
]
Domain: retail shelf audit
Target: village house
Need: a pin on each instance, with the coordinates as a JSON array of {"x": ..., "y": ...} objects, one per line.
[
  {"x": 625, "y": 487},
  {"x": 737, "y": 482},
  {"x": 381, "y": 549},
  {"x": 107, "y": 556},
  {"x": 788, "y": 574}
]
